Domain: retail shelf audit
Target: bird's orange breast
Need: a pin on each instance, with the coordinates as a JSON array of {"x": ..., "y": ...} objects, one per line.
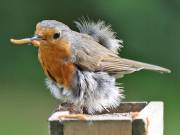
[{"x": 55, "y": 59}]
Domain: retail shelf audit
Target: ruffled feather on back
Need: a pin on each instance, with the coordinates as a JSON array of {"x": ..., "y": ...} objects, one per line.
[{"x": 101, "y": 33}]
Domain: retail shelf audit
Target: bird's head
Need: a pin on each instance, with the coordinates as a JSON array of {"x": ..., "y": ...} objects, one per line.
[{"x": 48, "y": 32}]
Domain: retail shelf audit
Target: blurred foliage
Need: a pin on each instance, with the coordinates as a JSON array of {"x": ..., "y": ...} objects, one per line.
[{"x": 150, "y": 30}]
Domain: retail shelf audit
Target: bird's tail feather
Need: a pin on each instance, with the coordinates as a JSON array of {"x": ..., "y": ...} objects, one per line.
[{"x": 140, "y": 65}]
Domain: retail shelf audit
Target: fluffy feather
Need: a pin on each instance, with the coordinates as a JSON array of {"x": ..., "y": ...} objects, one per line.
[
  {"x": 94, "y": 91},
  {"x": 101, "y": 33}
]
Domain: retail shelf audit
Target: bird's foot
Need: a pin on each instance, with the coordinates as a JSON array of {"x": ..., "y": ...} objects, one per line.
[
  {"x": 74, "y": 112},
  {"x": 74, "y": 116}
]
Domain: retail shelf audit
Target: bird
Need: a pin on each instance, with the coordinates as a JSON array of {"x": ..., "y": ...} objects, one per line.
[{"x": 82, "y": 67}]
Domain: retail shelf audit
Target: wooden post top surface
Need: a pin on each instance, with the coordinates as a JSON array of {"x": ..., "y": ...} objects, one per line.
[{"x": 130, "y": 118}]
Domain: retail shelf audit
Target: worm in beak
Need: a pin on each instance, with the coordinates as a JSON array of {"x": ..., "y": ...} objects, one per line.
[{"x": 33, "y": 40}]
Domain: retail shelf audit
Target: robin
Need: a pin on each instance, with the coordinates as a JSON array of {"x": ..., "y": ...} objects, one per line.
[{"x": 82, "y": 67}]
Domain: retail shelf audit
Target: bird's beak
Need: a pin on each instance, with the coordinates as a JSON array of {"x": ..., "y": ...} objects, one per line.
[{"x": 33, "y": 40}]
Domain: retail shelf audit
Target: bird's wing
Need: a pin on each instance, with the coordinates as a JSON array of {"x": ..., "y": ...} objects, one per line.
[{"x": 91, "y": 56}]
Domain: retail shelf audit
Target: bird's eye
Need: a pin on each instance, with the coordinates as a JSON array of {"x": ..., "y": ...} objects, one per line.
[{"x": 56, "y": 35}]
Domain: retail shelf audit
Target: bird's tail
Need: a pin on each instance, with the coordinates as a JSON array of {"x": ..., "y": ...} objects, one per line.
[{"x": 140, "y": 65}]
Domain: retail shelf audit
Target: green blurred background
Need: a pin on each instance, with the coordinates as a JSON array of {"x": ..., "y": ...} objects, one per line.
[{"x": 150, "y": 30}]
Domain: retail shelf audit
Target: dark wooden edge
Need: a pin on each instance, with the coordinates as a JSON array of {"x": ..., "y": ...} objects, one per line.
[
  {"x": 138, "y": 127},
  {"x": 126, "y": 107},
  {"x": 55, "y": 128}
]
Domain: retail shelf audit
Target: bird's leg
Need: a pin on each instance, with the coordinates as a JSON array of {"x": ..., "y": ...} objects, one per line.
[
  {"x": 70, "y": 107},
  {"x": 74, "y": 116}
]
